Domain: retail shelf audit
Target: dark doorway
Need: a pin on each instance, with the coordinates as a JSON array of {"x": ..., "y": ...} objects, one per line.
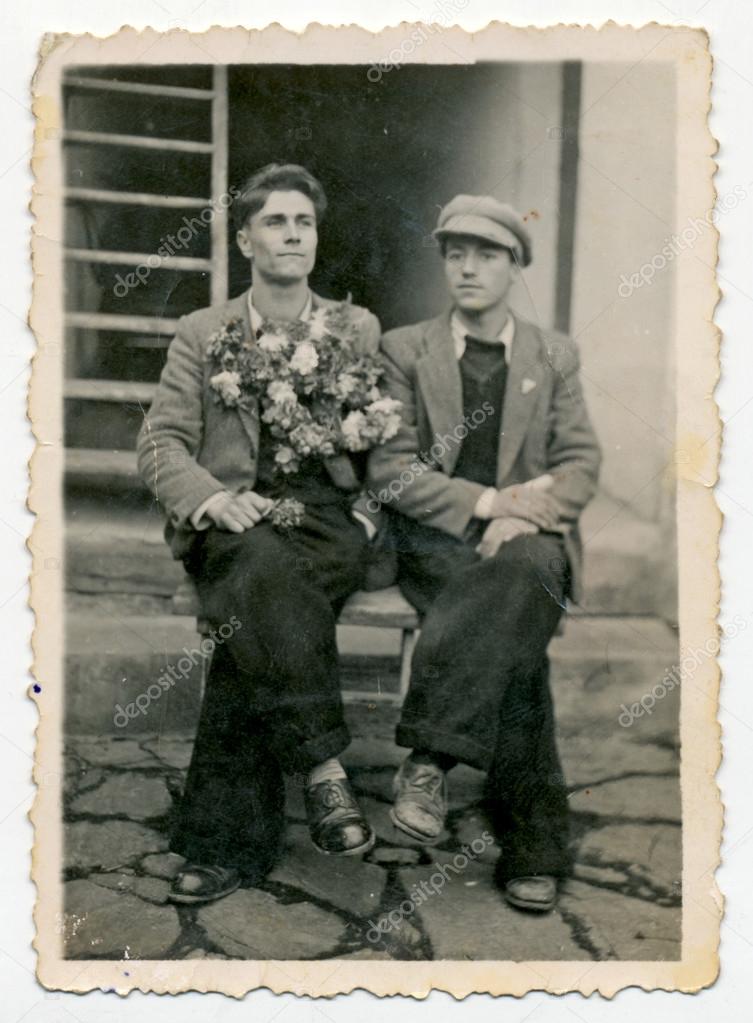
[{"x": 389, "y": 153}]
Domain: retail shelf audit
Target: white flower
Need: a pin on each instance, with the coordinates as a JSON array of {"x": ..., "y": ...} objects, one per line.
[
  {"x": 318, "y": 323},
  {"x": 284, "y": 454},
  {"x": 304, "y": 358},
  {"x": 352, "y": 428},
  {"x": 227, "y": 384},
  {"x": 390, "y": 427},
  {"x": 281, "y": 393},
  {"x": 346, "y": 384},
  {"x": 272, "y": 342},
  {"x": 387, "y": 406}
]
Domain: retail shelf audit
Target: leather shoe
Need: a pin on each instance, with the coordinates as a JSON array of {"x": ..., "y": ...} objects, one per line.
[
  {"x": 197, "y": 883},
  {"x": 538, "y": 893},
  {"x": 420, "y": 806},
  {"x": 336, "y": 822}
]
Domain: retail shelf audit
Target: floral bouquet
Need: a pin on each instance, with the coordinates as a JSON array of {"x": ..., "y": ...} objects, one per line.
[{"x": 317, "y": 394}]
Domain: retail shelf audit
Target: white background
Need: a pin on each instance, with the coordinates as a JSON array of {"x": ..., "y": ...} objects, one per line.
[{"x": 730, "y": 25}]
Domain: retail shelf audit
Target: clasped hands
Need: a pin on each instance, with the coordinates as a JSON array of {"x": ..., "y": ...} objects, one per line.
[{"x": 518, "y": 510}]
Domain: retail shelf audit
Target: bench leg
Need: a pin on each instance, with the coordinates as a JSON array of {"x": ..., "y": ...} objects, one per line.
[{"x": 407, "y": 645}]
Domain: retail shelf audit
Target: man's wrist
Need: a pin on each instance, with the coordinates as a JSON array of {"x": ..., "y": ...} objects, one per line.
[
  {"x": 484, "y": 508},
  {"x": 203, "y": 516}
]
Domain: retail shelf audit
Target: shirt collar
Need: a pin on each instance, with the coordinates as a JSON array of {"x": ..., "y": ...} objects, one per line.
[
  {"x": 257, "y": 319},
  {"x": 459, "y": 331}
]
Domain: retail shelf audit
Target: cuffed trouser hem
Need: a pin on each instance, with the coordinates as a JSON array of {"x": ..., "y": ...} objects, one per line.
[
  {"x": 458, "y": 746},
  {"x": 511, "y": 865},
  {"x": 304, "y": 756}
]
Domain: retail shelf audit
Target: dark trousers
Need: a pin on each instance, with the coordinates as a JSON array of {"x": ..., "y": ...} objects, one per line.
[
  {"x": 272, "y": 703},
  {"x": 479, "y": 689}
]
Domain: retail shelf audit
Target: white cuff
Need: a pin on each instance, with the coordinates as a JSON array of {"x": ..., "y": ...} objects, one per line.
[
  {"x": 366, "y": 522},
  {"x": 483, "y": 509},
  {"x": 199, "y": 519}
]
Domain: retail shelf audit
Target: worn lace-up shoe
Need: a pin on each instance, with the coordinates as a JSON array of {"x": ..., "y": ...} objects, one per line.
[
  {"x": 336, "y": 823},
  {"x": 537, "y": 893},
  {"x": 197, "y": 883},
  {"x": 420, "y": 805}
]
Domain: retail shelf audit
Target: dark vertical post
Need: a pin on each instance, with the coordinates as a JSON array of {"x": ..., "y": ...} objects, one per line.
[{"x": 569, "y": 154}]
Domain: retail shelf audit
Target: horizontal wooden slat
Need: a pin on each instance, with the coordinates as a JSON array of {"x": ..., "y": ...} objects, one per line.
[
  {"x": 101, "y": 138},
  {"x": 154, "y": 342},
  {"x": 137, "y": 88},
  {"x": 121, "y": 391},
  {"x": 115, "y": 321},
  {"x": 135, "y": 198},
  {"x": 190, "y": 263},
  {"x": 91, "y": 464},
  {"x": 386, "y": 608}
]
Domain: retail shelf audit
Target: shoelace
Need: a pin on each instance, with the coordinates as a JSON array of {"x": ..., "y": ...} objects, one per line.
[
  {"x": 333, "y": 796},
  {"x": 426, "y": 781}
]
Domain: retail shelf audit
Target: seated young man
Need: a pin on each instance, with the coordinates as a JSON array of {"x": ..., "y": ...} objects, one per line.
[
  {"x": 493, "y": 463},
  {"x": 214, "y": 459}
]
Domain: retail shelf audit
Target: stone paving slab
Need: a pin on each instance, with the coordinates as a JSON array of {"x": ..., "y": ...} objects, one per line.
[
  {"x": 104, "y": 924},
  {"x": 119, "y": 795},
  {"x": 109, "y": 845},
  {"x": 648, "y": 856},
  {"x": 619, "y": 927},
  {"x": 623, "y": 901},
  {"x": 467, "y": 918},
  {"x": 151, "y": 889},
  {"x": 252, "y": 924},
  {"x": 163, "y": 865},
  {"x": 645, "y": 799},
  {"x": 346, "y": 882},
  {"x": 585, "y": 761},
  {"x": 174, "y": 752},
  {"x": 113, "y": 752}
]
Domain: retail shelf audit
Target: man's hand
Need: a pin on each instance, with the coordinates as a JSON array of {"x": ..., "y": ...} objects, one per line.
[
  {"x": 501, "y": 531},
  {"x": 530, "y": 501},
  {"x": 239, "y": 512}
]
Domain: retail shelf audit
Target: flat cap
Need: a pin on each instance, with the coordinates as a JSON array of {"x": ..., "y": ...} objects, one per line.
[{"x": 483, "y": 216}]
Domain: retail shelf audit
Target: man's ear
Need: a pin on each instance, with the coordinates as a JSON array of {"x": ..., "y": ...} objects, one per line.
[{"x": 244, "y": 243}]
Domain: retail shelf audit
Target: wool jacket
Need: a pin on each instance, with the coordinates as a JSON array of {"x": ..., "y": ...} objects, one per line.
[
  {"x": 545, "y": 429},
  {"x": 191, "y": 446}
]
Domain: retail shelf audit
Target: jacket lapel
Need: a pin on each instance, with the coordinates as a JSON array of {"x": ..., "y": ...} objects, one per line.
[
  {"x": 441, "y": 387},
  {"x": 524, "y": 379}
]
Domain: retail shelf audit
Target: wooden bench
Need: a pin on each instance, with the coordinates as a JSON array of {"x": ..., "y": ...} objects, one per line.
[{"x": 380, "y": 609}]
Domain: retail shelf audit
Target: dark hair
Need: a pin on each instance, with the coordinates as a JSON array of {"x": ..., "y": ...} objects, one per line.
[{"x": 276, "y": 177}]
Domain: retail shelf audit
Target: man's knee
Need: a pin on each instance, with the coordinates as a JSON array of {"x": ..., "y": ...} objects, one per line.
[
  {"x": 254, "y": 558},
  {"x": 535, "y": 556}
]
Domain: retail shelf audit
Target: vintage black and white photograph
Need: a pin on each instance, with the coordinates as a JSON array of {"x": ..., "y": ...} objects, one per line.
[{"x": 366, "y": 462}]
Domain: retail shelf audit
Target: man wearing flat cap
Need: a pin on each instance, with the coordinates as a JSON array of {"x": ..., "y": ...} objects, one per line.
[{"x": 494, "y": 461}]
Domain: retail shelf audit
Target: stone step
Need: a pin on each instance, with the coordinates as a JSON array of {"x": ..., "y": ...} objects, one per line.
[
  {"x": 115, "y": 546},
  {"x": 114, "y": 661}
]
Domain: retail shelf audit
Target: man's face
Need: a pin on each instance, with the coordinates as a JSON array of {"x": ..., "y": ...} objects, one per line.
[
  {"x": 479, "y": 275},
  {"x": 281, "y": 237}
]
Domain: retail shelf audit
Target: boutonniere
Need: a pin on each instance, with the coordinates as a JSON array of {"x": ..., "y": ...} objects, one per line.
[{"x": 527, "y": 385}]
